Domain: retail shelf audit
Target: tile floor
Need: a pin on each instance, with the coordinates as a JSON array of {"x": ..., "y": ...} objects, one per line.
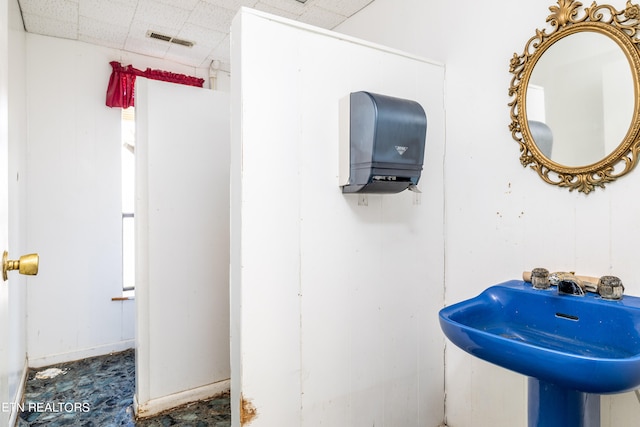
[{"x": 98, "y": 392}]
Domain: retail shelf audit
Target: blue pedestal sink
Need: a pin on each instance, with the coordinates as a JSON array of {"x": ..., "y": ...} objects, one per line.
[{"x": 572, "y": 348}]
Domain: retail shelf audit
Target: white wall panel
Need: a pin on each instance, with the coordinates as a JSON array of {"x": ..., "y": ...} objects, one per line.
[
  {"x": 330, "y": 298},
  {"x": 182, "y": 238}
]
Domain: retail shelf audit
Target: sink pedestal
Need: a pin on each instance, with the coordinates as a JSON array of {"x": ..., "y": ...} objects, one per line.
[{"x": 554, "y": 406}]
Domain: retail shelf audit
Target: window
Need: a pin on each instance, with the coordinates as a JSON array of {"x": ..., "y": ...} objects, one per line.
[{"x": 128, "y": 200}]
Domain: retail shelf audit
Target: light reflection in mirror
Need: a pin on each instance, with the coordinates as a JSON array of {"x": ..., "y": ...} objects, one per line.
[{"x": 580, "y": 89}]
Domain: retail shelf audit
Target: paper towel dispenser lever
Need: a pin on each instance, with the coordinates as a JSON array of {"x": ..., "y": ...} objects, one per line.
[{"x": 382, "y": 141}]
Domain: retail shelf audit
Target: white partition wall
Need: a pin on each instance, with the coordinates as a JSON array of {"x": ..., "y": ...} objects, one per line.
[
  {"x": 334, "y": 298},
  {"x": 182, "y": 238}
]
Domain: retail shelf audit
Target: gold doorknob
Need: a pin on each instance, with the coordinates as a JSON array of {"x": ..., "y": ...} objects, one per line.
[{"x": 27, "y": 264}]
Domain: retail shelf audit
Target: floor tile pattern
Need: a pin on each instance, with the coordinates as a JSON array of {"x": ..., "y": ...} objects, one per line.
[{"x": 98, "y": 392}]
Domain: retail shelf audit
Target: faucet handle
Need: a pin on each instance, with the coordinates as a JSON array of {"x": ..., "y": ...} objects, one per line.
[
  {"x": 540, "y": 278},
  {"x": 610, "y": 287}
]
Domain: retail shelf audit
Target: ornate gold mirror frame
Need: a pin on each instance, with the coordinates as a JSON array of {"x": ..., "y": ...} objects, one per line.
[{"x": 569, "y": 18}]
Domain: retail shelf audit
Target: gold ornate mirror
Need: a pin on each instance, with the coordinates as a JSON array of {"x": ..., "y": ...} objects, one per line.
[{"x": 575, "y": 110}]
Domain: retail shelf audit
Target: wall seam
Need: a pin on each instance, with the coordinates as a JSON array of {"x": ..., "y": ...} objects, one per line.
[{"x": 444, "y": 244}]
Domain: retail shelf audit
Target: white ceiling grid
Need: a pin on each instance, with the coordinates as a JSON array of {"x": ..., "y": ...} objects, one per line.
[{"x": 124, "y": 24}]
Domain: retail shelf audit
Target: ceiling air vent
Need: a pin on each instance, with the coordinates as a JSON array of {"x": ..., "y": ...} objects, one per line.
[{"x": 169, "y": 39}]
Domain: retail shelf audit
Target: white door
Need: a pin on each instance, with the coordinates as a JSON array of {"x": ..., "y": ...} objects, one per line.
[
  {"x": 4, "y": 298},
  {"x": 4, "y": 210},
  {"x": 4, "y": 286}
]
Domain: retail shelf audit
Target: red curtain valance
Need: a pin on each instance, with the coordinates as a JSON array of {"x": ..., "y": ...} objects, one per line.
[{"x": 123, "y": 79}]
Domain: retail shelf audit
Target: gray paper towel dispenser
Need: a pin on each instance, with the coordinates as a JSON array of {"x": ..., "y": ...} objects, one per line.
[{"x": 382, "y": 141}]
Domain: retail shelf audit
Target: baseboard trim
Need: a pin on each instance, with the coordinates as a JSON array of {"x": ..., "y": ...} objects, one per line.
[
  {"x": 165, "y": 403},
  {"x": 13, "y": 416},
  {"x": 40, "y": 362}
]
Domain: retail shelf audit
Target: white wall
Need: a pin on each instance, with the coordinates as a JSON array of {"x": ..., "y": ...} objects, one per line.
[
  {"x": 331, "y": 297},
  {"x": 501, "y": 218},
  {"x": 182, "y": 244},
  {"x": 73, "y": 209}
]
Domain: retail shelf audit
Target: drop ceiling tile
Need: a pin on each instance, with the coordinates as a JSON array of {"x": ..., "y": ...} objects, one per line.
[
  {"x": 201, "y": 36},
  {"x": 211, "y": 16},
  {"x": 139, "y": 30},
  {"x": 147, "y": 46},
  {"x": 224, "y": 47},
  {"x": 193, "y": 56},
  {"x": 102, "y": 33},
  {"x": 222, "y": 52},
  {"x": 321, "y": 17},
  {"x": 100, "y": 42},
  {"x": 290, "y": 6},
  {"x": 161, "y": 14},
  {"x": 60, "y": 10},
  {"x": 263, "y": 7},
  {"x": 50, "y": 27},
  {"x": 343, "y": 7},
  {"x": 118, "y": 14},
  {"x": 234, "y": 5},
  {"x": 219, "y": 53},
  {"x": 183, "y": 4}
]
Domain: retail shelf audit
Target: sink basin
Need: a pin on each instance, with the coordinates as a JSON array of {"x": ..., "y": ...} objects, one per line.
[{"x": 582, "y": 343}]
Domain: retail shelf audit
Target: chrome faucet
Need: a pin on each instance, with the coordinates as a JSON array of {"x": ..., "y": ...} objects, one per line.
[
  {"x": 570, "y": 287},
  {"x": 567, "y": 283}
]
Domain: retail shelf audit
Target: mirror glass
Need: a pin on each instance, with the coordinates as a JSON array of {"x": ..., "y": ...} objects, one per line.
[{"x": 580, "y": 99}]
